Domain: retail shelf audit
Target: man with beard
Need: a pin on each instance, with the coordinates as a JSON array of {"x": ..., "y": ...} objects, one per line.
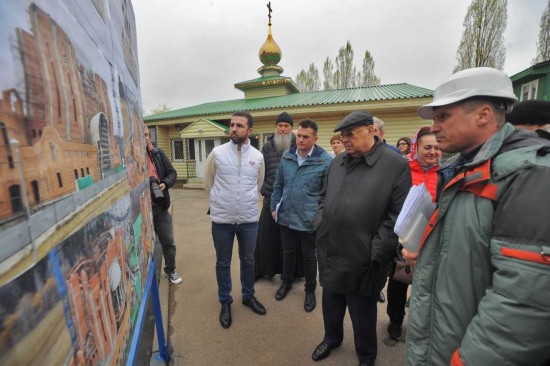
[
  {"x": 269, "y": 248},
  {"x": 233, "y": 174}
]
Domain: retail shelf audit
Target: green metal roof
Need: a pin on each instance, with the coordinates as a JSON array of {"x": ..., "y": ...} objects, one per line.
[
  {"x": 219, "y": 125},
  {"x": 338, "y": 96},
  {"x": 536, "y": 69}
]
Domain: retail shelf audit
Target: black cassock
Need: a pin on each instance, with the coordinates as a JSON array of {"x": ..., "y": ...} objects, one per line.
[{"x": 269, "y": 249}]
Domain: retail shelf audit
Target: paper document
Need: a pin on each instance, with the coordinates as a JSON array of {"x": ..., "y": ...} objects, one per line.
[
  {"x": 415, "y": 214},
  {"x": 277, "y": 210}
]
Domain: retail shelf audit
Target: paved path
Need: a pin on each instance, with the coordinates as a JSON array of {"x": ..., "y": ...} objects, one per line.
[{"x": 287, "y": 335}]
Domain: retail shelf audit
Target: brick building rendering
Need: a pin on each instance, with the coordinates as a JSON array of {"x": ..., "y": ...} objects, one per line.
[{"x": 63, "y": 122}]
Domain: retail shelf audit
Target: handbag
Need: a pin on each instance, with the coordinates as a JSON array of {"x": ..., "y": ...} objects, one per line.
[{"x": 402, "y": 272}]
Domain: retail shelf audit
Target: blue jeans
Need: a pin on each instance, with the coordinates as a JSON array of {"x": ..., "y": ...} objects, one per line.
[{"x": 223, "y": 235}]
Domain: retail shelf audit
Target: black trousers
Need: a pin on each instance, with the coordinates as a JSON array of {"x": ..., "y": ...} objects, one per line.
[
  {"x": 397, "y": 297},
  {"x": 165, "y": 232},
  {"x": 294, "y": 241},
  {"x": 362, "y": 311}
]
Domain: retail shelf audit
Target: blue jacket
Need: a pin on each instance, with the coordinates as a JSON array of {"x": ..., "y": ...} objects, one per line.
[{"x": 299, "y": 188}]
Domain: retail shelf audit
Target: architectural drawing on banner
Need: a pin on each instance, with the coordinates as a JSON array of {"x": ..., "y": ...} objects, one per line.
[{"x": 75, "y": 208}]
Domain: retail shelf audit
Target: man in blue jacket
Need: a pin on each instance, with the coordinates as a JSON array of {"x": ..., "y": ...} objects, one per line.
[{"x": 298, "y": 182}]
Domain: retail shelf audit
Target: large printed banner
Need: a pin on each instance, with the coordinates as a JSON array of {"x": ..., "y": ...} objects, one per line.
[{"x": 75, "y": 211}]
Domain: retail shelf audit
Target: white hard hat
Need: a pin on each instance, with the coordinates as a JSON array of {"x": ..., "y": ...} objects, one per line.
[{"x": 476, "y": 82}]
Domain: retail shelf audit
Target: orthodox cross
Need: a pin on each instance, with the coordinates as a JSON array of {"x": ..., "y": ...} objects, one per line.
[{"x": 269, "y": 13}]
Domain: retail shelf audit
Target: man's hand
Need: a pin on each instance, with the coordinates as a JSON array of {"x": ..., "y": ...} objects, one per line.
[
  {"x": 273, "y": 214},
  {"x": 162, "y": 187},
  {"x": 409, "y": 257}
]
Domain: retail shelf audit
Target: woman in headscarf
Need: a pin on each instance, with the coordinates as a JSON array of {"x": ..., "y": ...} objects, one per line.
[{"x": 423, "y": 161}]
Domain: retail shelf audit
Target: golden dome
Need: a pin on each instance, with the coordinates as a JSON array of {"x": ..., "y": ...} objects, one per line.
[{"x": 270, "y": 53}]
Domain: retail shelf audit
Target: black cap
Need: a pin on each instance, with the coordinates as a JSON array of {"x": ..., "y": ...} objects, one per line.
[
  {"x": 530, "y": 112},
  {"x": 284, "y": 117},
  {"x": 357, "y": 118}
]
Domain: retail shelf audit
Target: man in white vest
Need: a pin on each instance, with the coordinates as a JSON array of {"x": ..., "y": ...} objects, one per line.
[{"x": 234, "y": 173}]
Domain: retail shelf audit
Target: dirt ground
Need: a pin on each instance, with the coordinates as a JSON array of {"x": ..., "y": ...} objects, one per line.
[{"x": 287, "y": 335}]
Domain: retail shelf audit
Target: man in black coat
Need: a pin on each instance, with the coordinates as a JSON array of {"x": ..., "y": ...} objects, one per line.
[
  {"x": 365, "y": 190},
  {"x": 163, "y": 175},
  {"x": 268, "y": 255},
  {"x": 532, "y": 115}
]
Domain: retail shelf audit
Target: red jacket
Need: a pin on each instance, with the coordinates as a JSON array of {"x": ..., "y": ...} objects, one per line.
[{"x": 429, "y": 178}]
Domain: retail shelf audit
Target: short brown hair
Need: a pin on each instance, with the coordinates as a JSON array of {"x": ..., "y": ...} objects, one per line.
[{"x": 336, "y": 137}]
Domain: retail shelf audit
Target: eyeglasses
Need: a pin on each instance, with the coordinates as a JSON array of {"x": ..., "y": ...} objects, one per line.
[
  {"x": 402, "y": 143},
  {"x": 350, "y": 133}
]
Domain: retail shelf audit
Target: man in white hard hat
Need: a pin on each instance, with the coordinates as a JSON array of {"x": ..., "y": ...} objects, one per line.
[{"x": 480, "y": 292}]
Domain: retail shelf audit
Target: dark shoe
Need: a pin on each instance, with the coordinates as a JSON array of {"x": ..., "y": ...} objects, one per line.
[
  {"x": 309, "y": 303},
  {"x": 225, "y": 316},
  {"x": 381, "y": 298},
  {"x": 394, "y": 330},
  {"x": 282, "y": 291},
  {"x": 255, "y": 305},
  {"x": 322, "y": 351}
]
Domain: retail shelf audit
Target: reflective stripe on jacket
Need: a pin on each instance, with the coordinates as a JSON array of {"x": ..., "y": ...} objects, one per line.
[{"x": 481, "y": 288}]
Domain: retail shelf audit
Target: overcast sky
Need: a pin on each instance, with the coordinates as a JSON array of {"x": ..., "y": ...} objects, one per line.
[{"x": 193, "y": 52}]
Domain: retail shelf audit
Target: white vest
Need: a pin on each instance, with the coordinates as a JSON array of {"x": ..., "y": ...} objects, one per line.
[{"x": 234, "y": 195}]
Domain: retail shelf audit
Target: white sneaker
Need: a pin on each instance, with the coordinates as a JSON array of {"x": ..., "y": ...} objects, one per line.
[{"x": 174, "y": 278}]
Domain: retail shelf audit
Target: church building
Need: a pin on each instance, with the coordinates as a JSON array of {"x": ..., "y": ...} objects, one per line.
[{"x": 188, "y": 135}]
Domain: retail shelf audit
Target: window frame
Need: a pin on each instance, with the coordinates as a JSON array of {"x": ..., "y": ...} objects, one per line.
[
  {"x": 173, "y": 149},
  {"x": 531, "y": 93}
]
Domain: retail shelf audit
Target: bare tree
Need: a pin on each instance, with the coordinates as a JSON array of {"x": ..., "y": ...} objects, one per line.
[
  {"x": 313, "y": 78},
  {"x": 482, "y": 41},
  {"x": 368, "y": 77},
  {"x": 301, "y": 80},
  {"x": 346, "y": 73},
  {"x": 328, "y": 74},
  {"x": 543, "y": 45},
  {"x": 160, "y": 109},
  {"x": 309, "y": 80}
]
